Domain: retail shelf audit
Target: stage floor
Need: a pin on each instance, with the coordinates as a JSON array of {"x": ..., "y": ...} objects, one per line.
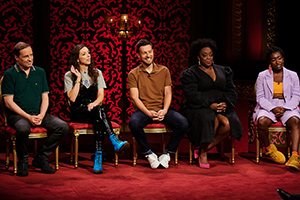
[{"x": 244, "y": 180}]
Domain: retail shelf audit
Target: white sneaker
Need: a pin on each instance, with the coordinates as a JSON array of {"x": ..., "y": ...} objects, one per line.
[
  {"x": 152, "y": 159},
  {"x": 164, "y": 160}
]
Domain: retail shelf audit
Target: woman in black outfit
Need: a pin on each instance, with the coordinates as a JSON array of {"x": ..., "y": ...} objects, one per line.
[
  {"x": 84, "y": 87},
  {"x": 210, "y": 100}
]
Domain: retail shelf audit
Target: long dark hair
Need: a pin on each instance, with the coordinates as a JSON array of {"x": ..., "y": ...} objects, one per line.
[{"x": 74, "y": 56}]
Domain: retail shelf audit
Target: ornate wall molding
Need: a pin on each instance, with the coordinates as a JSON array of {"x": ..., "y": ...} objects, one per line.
[
  {"x": 271, "y": 23},
  {"x": 237, "y": 28}
]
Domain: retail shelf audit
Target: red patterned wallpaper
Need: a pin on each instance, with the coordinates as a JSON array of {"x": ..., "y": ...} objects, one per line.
[
  {"x": 15, "y": 26},
  {"x": 165, "y": 23}
]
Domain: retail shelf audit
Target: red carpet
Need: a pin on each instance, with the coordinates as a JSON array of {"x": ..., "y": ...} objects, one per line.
[{"x": 244, "y": 180}]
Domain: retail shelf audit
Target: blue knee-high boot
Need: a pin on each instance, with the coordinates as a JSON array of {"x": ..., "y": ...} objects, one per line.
[
  {"x": 119, "y": 145},
  {"x": 98, "y": 162}
]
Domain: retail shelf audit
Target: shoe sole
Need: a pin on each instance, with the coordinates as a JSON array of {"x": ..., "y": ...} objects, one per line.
[
  {"x": 37, "y": 166},
  {"x": 281, "y": 163},
  {"x": 22, "y": 174},
  {"x": 123, "y": 148},
  {"x": 292, "y": 166},
  {"x": 155, "y": 167},
  {"x": 97, "y": 172},
  {"x": 166, "y": 167}
]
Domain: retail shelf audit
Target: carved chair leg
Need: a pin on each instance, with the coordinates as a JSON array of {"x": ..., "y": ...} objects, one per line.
[
  {"x": 232, "y": 150},
  {"x": 76, "y": 152},
  {"x": 190, "y": 153},
  {"x": 14, "y": 156},
  {"x": 7, "y": 154},
  {"x": 176, "y": 157},
  {"x": 72, "y": 150},
  {"x": 56, "y": 158},
  {"x": 116, "y": 156},
  {"x": 134, "y": 151},
  {"x": 257, "y": 149}
]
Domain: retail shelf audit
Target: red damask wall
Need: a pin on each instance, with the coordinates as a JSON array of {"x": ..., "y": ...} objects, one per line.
[
  {"x": 15, "y": 25},
  {"x": 166, "y": 23}
]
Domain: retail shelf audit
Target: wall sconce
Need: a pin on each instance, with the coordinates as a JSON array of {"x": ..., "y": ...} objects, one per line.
[{"x": 124, "y": 26}]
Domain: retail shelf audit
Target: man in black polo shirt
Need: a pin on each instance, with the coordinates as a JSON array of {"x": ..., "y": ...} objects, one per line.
[{"x": 25, "y": 93}]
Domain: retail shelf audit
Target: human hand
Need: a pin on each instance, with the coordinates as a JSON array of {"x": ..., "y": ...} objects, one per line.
[
  {"x": 222, "y": 107},
  {"x": 152, "y": 114},
  {"x": 39, "y": 118},
  {"x": 278, "y": 111},
  {"x": 219, "y": 107},
  {"x": 76, "y": 72},
  {"x": 214, "y": 106},
  {"x": 161, "y": 114},
  {"x": 91, "y": 106},
  {"x": 35, "y": 120}
]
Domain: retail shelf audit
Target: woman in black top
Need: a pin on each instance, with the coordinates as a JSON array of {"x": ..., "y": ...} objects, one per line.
[
  {"x": 210, "y": 100},
  {"x": 84, "y": 87}
]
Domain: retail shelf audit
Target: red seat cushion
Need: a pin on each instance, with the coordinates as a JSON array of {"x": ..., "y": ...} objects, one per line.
[
  {"x": 155, "y": 125},
  {"x": 38, "y": 130},
  {"x": 7, "y": 130},
  {"x": 34, "y": 130},
  {"x": 115, "y": 125},
  {"x": 277, "y": 124},
  {"x": 75, "y": 125}
]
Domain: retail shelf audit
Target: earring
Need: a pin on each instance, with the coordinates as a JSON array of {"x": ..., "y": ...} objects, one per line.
[
  {"x": 270, "y": 69},
  {"x": 199, "y": 62}
]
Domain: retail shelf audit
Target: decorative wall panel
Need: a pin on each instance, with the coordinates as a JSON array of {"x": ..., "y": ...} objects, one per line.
[
  {"x": 15, "y": 26},
  {"x": 165, "y": 23}
]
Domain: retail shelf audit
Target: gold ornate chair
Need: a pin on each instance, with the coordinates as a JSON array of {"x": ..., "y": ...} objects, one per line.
[
  {"x": 9, "y": 133},
  {"x": 275, "y": 130},
  {"x": 155, "y": 128},
  {"x": 278, "y": 135},
  {"x": 232, "y": 158},
  {"x": 77, "y": 129}
]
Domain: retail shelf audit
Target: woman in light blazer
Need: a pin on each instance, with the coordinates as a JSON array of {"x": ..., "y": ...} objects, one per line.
[{"x": 278, "y": 97}]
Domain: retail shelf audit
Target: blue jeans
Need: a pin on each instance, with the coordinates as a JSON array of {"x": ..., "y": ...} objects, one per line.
[
  {"x": 56, "y": 128},
  {"x": 177, "y": 122}
]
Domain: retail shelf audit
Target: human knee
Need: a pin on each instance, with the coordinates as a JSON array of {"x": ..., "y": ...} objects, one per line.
[
  {"x": 65, "y": 127},
  {"x": 184, "y": 124},
  {"x": 293, "y": 122},
  {"x": 134, "y": 124},
  {"x": 62, "y": 127},
  {"x": 226, "y": 124},
  {"x": 263, "y": 122},
  {"x": 22, "y": 128}
]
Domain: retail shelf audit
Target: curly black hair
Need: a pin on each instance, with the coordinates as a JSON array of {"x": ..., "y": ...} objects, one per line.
[
  {"x": 271, "y": 50},
  {"x": 199, "y": 44}
]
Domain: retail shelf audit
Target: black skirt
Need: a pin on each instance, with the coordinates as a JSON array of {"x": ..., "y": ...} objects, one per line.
[{"x": 202, "y": 122}]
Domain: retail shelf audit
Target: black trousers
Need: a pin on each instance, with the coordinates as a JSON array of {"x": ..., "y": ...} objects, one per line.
[
  {"x": 56, "y": 128},
  {"x": 98, "y": 117}
]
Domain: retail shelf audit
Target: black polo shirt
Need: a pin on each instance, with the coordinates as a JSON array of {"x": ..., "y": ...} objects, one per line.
[{"x": 27, "y": 91}]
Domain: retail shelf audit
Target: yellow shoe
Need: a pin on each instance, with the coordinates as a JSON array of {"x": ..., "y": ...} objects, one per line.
[
  {"x": 293, "y": 162},
  {"x": 276, "y": 155}
]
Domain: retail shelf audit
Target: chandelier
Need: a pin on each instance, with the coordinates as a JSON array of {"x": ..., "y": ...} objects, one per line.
[{"x": 125, "y": 25}]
